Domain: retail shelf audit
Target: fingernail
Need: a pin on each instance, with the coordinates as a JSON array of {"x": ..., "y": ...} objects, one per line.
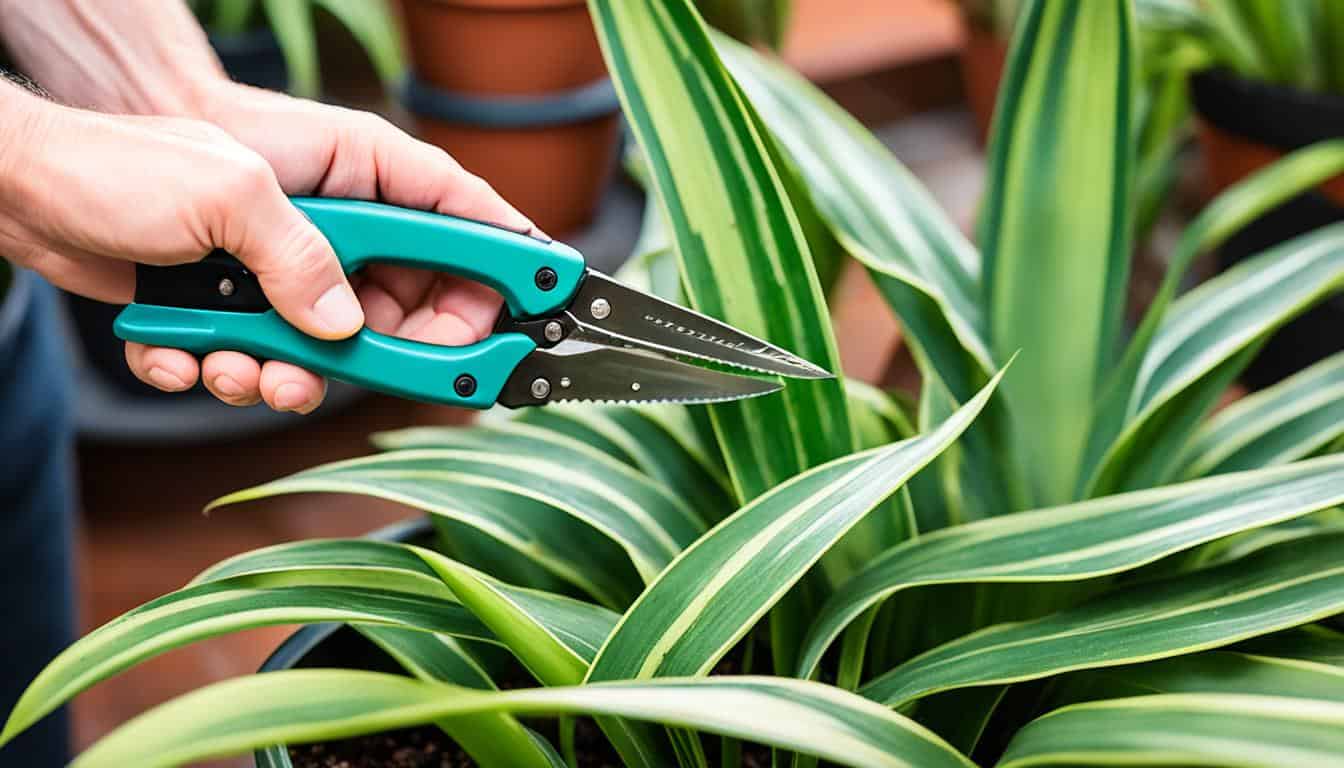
[
  {"x": 339, "y": 310},
  {"x": 166, "y": 379},
  {"x": 226, "y": 386},
  {"x": 290, "y": 397}
]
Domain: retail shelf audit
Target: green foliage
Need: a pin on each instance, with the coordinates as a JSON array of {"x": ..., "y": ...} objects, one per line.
[
  {"x": 370, "y": 21},
  {"x": 1290, "y": 42},
  {"x": 751, "y": 21},
  {"x": 1062, "y": 561}
]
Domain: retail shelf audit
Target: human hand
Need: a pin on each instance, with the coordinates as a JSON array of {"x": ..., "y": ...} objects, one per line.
[{"x": 92, "y": 193}]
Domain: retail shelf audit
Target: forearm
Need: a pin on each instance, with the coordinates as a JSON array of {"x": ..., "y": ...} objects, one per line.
[
  {"x": 130, "y": 56},
  {"x": 21, "y": 115}
]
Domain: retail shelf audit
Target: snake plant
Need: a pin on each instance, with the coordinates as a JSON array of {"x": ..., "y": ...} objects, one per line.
[
  {"x": 369, "y": 21},
  {"x": 1050, "y": 554}
]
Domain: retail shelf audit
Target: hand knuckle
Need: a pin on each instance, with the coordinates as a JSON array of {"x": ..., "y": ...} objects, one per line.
[{"x": 304, "y": 252}]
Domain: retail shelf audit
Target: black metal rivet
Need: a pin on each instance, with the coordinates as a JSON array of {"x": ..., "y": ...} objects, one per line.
[
  {"x": 546, "y": 278},
  {"x": 465, "y": 386}
]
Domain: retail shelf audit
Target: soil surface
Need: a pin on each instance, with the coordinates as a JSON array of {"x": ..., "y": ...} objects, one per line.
[
  {"x": 425, "y": 747},
  {"x": 429, "y": 747}
]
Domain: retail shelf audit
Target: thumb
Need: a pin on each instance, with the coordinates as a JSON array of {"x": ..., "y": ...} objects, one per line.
[{"x": 297, "y": 269}]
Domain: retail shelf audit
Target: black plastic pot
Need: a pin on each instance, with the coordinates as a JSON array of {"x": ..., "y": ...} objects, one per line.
[
  {"x": 253, "y": 57},
  {"x": 337, "y": 645},
  {"x": 1246, "y": 124}
]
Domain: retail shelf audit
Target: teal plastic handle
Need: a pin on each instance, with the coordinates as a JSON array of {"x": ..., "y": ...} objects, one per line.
[
  {"x": 411, "y": 369},
  {"x": 362, "y": 232}
]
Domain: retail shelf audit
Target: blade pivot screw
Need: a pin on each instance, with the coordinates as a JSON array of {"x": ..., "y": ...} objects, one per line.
[
  {"x": 553, "y": 331},
  {"x": 465, "y": 385},
  {"x": 600, "y": 309},
  {"x": 546, "y": 278},
  {"x": 225, "y": 287},
  {"x": 541, "y": 388}
]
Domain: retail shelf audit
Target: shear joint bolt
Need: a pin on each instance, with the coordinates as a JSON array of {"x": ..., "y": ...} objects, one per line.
[
  {"x": 541, "y": 388},
  {"x": 553, "y": 331},
  {"x": 546, "y": 278},
  {"x": 600, "y": 308},
  {"x": 465, "y": 385},
  {"x": 225, "y": 287}
]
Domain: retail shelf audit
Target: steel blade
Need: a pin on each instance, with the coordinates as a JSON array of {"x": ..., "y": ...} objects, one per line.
[
  {"x": 617, "y": 315},
  {"x": 576, "y": 370}
]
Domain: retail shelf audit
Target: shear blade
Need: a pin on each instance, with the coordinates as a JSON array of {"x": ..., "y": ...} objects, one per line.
[
  {"x": 617, "y": 315},
  {"x": 576, "y": 370}
]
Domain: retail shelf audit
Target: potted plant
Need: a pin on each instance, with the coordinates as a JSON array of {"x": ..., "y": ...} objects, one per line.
[
  {"x": 1266, "y": 79},
  {"x": 518, "y": 92},
  {"x": 273, "y": 43},
  {"x": 1067, "y": 562}
]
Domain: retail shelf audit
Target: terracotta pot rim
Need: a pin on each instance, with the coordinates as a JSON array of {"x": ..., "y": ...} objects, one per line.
[
  {"x": 576, "y": 105},
  {"x": 1279, "y": 116}
]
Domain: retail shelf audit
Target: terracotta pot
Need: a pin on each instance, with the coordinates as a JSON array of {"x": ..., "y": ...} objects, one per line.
[
  {"x": 517, "y": 91},
  {"x": 1245, "y": 125},
  {"x": 983, "y": 56}
]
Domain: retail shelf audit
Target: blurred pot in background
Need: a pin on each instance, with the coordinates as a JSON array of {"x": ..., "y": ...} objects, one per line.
[
  {"x": 518, "y": 92},
  {"x": 1244, "y": 125},
  {"x": 275, "y": 45},
  {"x": 1264, "y": 79},
  {"x": 988, "y": 26}
]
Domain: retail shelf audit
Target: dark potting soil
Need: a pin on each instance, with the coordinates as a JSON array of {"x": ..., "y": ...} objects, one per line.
[
  {"x": 424, "y": 747},
  {"x": 429, "y": 747}
]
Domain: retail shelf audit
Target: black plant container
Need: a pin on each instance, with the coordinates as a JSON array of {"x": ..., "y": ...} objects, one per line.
[
  {"x": 337, "y": 645},
  {"x": 1247, "y": 123}
]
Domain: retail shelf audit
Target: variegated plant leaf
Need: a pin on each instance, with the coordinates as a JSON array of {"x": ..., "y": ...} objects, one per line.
[
  {"x": 1083, "y": 540},
  {"x": 238, "y": 715}
]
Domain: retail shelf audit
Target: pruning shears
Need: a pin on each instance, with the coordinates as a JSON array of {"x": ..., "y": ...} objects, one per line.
[{"x": 566, "y": 332}]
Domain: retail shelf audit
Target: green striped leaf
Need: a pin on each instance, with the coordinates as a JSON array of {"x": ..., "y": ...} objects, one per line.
[
  {"x": 237, "y": 715},
  {"x": 1056, "y": 226},
  {"x": 1275, "y": 39},
  {"x": 373, "y": 25},
  {"x": 493, "y": 739},
  {"x": 241, "y": 602},
  {"x": 743, "y": 253},
  {"x": 292, "y": 24},
  {"x": 1209, "y": 334},
  {"x": 1083, "y": 540},
  {"x": 1288, "y": 421},
  {"x": 1225, "y": 216},
  {"x": 1312, "y": 643},
  {"x": 645, "y": 519},
  {"x": 650, "y": 449},
  {"x": 1270, "y": 590},
  {"x": 554, "y": 636},
  {"x": 881, "y": 213},
  {"x": 1185, "y": 729},
  {"x": 713, "y": 594},
  {"x": 1209, "y": 672}
]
